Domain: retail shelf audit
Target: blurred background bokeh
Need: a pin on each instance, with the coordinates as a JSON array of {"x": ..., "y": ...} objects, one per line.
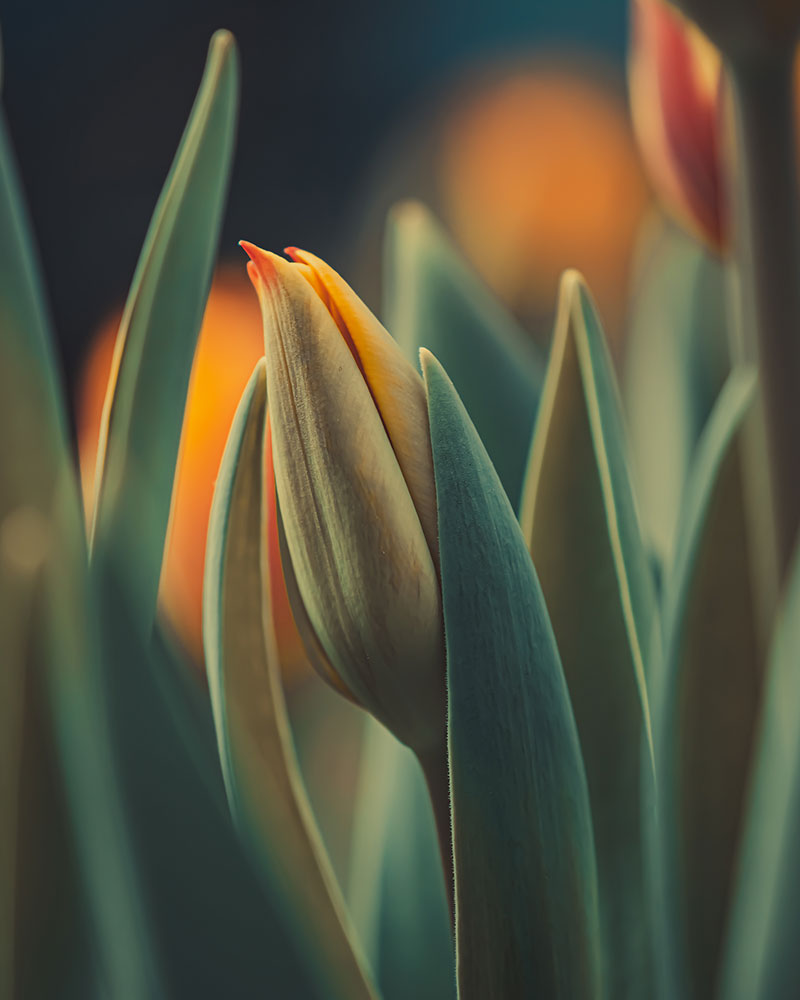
[
  {"x": 341, "y": 103},
  {"x": 509, "y": 120}
]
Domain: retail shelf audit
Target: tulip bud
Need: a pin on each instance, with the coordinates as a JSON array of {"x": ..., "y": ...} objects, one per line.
[
  {"x": 354, "y": 479},
  {"x": 674, "y": 74}
]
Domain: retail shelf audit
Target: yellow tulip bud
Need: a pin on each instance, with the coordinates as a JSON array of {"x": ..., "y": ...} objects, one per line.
[{"x": 354, "y": 479}]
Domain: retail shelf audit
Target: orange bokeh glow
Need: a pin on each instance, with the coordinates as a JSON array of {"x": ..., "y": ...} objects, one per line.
[
  {"x": 539, "y": 172},
  {"x": 231, "y": 342}
]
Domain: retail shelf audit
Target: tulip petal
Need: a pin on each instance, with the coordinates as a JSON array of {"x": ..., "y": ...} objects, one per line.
[
  {"x": 433, "y": 300},
  {"x": 674, "y": 78},
  {"x": 264, "y": 788},
  {"x": 143, "y": 416},
  {"x": 363, "y": 567},
  {"x": 525, "y": 877},
  {"x": 393, "y": 381},
  {"x": 707, "y": 702},
  {"x": 579, "y": 519}
]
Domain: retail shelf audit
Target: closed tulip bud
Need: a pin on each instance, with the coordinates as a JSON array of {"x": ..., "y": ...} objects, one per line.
[
  {"x": 354, "y": 480},
  {"x": 674, "y": 76}
]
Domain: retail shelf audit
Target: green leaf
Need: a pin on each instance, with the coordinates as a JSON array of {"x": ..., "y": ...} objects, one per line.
[
  {"x": 220, "y": 932},
  {"x": 525, "y": 879},
  {"x": 264, "y": 788},
  {"x": 69, "y": 835},
  {"x": 760, "y": 957},
  {"x": 705, "y": 713},
  {"x": 433, "y": 300},
  {"x": 676, "y": 360},
  {"x": 579, "y": 520},
  {"x": 141, "y": 430},
  {"x": 396, "y": 892}
]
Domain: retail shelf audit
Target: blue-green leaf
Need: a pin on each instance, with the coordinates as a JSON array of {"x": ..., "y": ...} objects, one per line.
[
  {"x": 52, "y": 716},
  {"x": 141, "y": 429},
  {"x": 525, "y": 879},
  {"x": 760, "y": 957},
  {"x": 264, "y": 787},
  {"x": 579, "y": 519},
  {"x": 676, "y": 359},
  {"x": 705, "y": 712},
  {"x": 433, "y": 300}
]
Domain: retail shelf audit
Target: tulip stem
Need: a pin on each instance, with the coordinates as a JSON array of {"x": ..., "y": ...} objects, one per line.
[
  {"x": 435, "y": 768},
  {"x": 767, "y": 235}
]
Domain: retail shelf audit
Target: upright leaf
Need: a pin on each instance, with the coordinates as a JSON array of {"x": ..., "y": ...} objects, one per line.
[
  {"x": 707, "y": 709},
  {"x": 525, "y": 879},
  {"x": 265, "y": 792},
  {"x": 144, "y": 406},
  {"x": 55, "y": 748},
  {"x": 433, "y": 300},
  {"x": 579, "y": 519},
  {"x": 760, "y": 955},
  {"x": 676, "y": 359}
]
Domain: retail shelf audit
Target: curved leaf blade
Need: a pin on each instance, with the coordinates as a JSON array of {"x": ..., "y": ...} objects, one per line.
[
  {"x": 434, "y": 301},
  {"x": 580, "y": 523},
  {"x": 264, "y": 787},
  {"x": 707, "y": 709},
  {"x": 144, "y": 407},
  {"x": 525, "y": 878}
]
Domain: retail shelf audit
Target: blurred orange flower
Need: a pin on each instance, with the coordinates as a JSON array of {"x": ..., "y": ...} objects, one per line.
[{"x": 539, "y": 172}]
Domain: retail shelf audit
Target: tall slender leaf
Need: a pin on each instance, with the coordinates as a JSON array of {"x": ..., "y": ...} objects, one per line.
[
  {"x": 676, "y": 360},
  {"x": 144, "y": 406},
  {"x": 579, "y": 519},
  {"x": 525, "y": 879},
  {"x": 261, "y": 775},
  {"x": 433, "y": 300},
  {"x": 760, "y": 956},
  {"x": 706, "y": 713},
  {"x": 52, "y": 708}
]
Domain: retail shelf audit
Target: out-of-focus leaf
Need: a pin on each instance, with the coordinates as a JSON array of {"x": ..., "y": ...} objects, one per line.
[
  {"x": 219, "y": 931},
  {"x": 579, "y": 519},
  {"x": 676, "y": 359},
  {"x": 433, "y": 300},
  {"x": 705, "y": 714},
  {"x": 143, "y": 415},
  {"x": 760, "y": 956},
  {"x": 52, "y": 723},
  {"x": 265, "y": 792},
  {"x": 397, "y": 893},
  {"x": 525, "y": 878}
]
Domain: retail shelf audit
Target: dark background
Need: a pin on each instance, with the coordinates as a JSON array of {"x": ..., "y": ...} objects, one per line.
[{"x": 97, "y": 94}]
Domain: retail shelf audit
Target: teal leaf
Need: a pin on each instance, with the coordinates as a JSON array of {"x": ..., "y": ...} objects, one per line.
[
  {"x": 396, "y": 892},
  {"x": 54, "y": 744},
  {"x": 580, "y": 522},
  {"x": 141, "y": 429},
  {"x": 760, "y": 958},
  {"x": 265, "y": 791},
  {"x": 676, "y": 360},
  {"x": 525, "y": 879},
  {"x": 705, "y": 713},
  {"x": 433, "y": 300}
]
